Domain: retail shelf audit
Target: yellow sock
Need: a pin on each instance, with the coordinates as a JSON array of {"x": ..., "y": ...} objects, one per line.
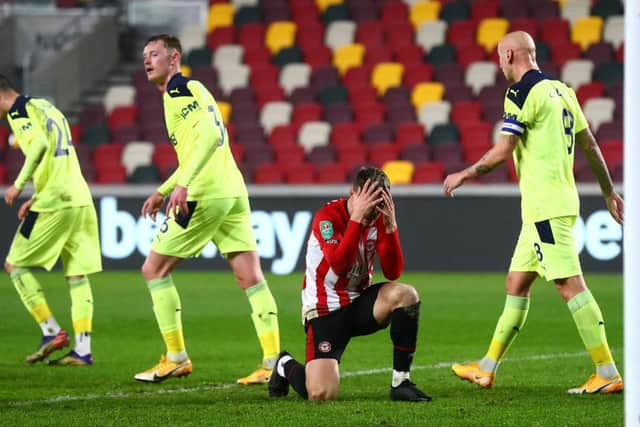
[
  {"x": 588, "y": 318},
  {"x": 265, "y": 319},
  {"x": 166, "y": 306},
  {"x": 81, "y": 305},
  {"x": 509, "y": 324},
  {"x": 31, "y": 294}
]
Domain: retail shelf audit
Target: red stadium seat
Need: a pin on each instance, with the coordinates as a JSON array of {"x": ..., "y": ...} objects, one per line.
[
  {"x": 587, "y": 91},
  {"x": 123, "y": 116},
  {"x": 300, "y": 174},
  {"x": 345, "y": 134},
  {"x": 418, "y": 73},
  {"x": 251, "y": 35},
  {"x": 469, "y": 54},
  {"x": 352, "y": 155},
  {"x": 268, "y": 173},
  {"x": 554, "y": 31},
  {"x": 396, "y": 12},
  {"x": 428, "y": 172},
  {"x": 382, "y": 153},
  {"x": 318, "y": 56},
  {"x": 220, "y": 36},
  {"x": 409, "y": 133},
  {"x": 528, "y": 25},
  {"x": 289, "y": 155},
  {"x": 484, "y": 9},
  {"x": 164, "y": 156},
  {"x": 283, "y": 135},
  {"x": 115, "y": 174},
  {"x": 306, "y": 112},
  {"x": 461, "y": 33},
  {"x": 465, "y": 112},
  {"x": 562, "y": 53},
  {"x": 331, "y": 173},
  {"x": 107, "y": 155}
]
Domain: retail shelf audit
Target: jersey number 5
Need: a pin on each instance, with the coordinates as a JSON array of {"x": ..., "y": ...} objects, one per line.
[
  {"x": 59, "y": 150},
  {"x": 567, "y": 123},
  {"x": 220, "y": 125}
]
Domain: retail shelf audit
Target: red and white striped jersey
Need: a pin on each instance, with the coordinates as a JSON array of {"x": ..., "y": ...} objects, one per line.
[{"x": 339, "y": 259}]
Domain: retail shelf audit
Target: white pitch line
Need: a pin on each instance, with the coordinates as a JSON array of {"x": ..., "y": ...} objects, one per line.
[{"x": 213, "y": 387}]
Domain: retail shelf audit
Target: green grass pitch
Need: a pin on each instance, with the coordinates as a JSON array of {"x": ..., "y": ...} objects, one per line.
[{"x": 459, "y": 312}]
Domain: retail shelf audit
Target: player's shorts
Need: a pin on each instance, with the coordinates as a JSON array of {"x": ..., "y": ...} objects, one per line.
[
  {"x": 226, "y": 222},
  {"x": 548, "y": 248},
  {"x": 328, "y": 336},
  {"x": 70, "y": 233}
]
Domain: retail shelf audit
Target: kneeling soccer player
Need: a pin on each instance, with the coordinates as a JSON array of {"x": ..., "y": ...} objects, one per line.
[{"x": 339, "y": 300}]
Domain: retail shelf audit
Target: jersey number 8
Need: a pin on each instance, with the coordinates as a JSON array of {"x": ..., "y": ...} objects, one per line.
[{"x": 568, "y": 122}]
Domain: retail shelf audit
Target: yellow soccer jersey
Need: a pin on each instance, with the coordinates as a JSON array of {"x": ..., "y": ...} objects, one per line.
[
  {"x": 205, "y": 163},
  {"x": 45, "y": 139},
  {"x": 545, "y": 114}
]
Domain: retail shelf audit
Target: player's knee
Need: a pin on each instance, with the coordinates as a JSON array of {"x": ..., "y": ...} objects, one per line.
[
  {"x": 8, "y": 267},
  {"x": 322, "y": 393},
  {"x": 405, "y": 295},
  {"x": 149, "y": 271}
]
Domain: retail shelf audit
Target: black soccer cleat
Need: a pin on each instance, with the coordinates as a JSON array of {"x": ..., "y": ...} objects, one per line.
[
  {"x": 408, "y": 392},
  {"x": 278, "y": 386}
]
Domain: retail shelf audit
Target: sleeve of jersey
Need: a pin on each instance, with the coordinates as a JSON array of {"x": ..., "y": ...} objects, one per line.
[
  {"x": 390, "y": 254},
  {"x": 207, "y": 138},
  {"x": 168, "y": 186},
  {"x": 512, "y": 123},
  {"x": 37, "y": 149},
  {"x": 342, "y": 256}
]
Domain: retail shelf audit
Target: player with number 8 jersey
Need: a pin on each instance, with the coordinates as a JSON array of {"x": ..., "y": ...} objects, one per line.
[
  {"x": 542, "y": 125},
  {"x": 58, "y": 221}
]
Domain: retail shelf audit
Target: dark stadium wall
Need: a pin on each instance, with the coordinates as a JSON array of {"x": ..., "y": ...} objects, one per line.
[{"x": 462, "y": 234}]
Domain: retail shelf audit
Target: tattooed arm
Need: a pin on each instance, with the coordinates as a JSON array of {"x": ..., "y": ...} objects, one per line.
[
  {"x": 493, "y": 158},
  {"x": 615, "y": 204}
]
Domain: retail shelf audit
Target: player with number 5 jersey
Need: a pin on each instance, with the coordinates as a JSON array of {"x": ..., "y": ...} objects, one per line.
[
  {"x": 208, "y": 203},
  {"x": 542, "y": 125},
  {"x": 58, "y": 221}
]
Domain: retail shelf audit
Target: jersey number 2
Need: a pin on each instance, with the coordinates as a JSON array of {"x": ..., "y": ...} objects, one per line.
[
  {"x": 59, "y": 150},
  {"x": 567, "y": 123}
]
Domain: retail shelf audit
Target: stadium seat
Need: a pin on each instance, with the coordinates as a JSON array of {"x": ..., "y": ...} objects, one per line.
[
  {"x": 491, "y": 31},
  {"x": 251, "y": 36},
  {"x": 137, "y": 153},
  {"x": 220, "y": 15},
  {"x": 444, "y": 134},
  {"x": 233, "y": 76},
  {"x": 484, "y": 9},
  {"x": 424, "y": 11},
  {"x": 614, "y": 30},
  {"x": 386, "y": 75},
  {"x": 608, "y": 73},
  {"x": 562, "y": 53},
  {"x": 288, "y": 55},
  {"x": 300, "y": 174},
  {"x": 118, "y": 95},
  {"x": 598, "y": 111},
  {"x": 428, "y": 172},
  {"x": 348, "y": 56},
  {"x": 525, "y": 24},
  {"x": 115, "y": 174},
  {"x": 575, "y": 9},
  {"x": 441, "y": 54},
  {"x": 220, "y": 36},
  {"x": 481, "y": 74},
  {"x": 434, "y": 113},
  {"x": 280, "y": 35},
  {"x": 409, "y": 133},
  {"x": 424, "y": 93},
  {"x": 454, "y": 11},
  {"x": 313, "y": 134},
  {"x": 124, "y": 115},
  {"x": 336, "y": 12},
  {"x": 340, "y": 33},
  {"x": 164, "y": 156},
  {"x": 554, "y": 31},
  {"x": 589, "y": 90},
  {"x": 576, "y": 72},
  {"x": 352, "y": 155},
  {"x": 293, "y": 76},
  {"x": 338, "y": 113},
  {"x": 415, "y": 153},
  {"x": 461, "y": 33},
  {"x": 607, "y": 8},
  {"x": 228, "y": 54},
  {"x": 345, "y": 134},
  {"x": 399, "y": 171},
  {"x": 146, "y": 174},
  {"x": 600, "y": 52},
  {"x": 247, "y": 14},
  {"x": 268, "y": 173},
  {"x": 415, "y": 74},
  {"x": 95, "y": 135},
  {"x": 587, "y": 31},
  {"x": 322, "y": 154},
  {"x": 192, "y": 37},
  {"x": 275, "y": 113},
  {"x": 331, "y": 173},
  {"x": 430, "y": 34},
  {"x": 322, "y": 5}
]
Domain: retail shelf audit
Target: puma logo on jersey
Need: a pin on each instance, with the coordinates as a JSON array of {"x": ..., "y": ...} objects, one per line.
[
  {"x": 15, "y": 114},
  {"x": 514, "y": 91},
  {"x": 174, "y": 91}
]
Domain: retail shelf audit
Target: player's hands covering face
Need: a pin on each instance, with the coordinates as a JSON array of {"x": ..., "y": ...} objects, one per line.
[
  {"x": 388, "y": 211},
  {"x": 364, "y": 201}
]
